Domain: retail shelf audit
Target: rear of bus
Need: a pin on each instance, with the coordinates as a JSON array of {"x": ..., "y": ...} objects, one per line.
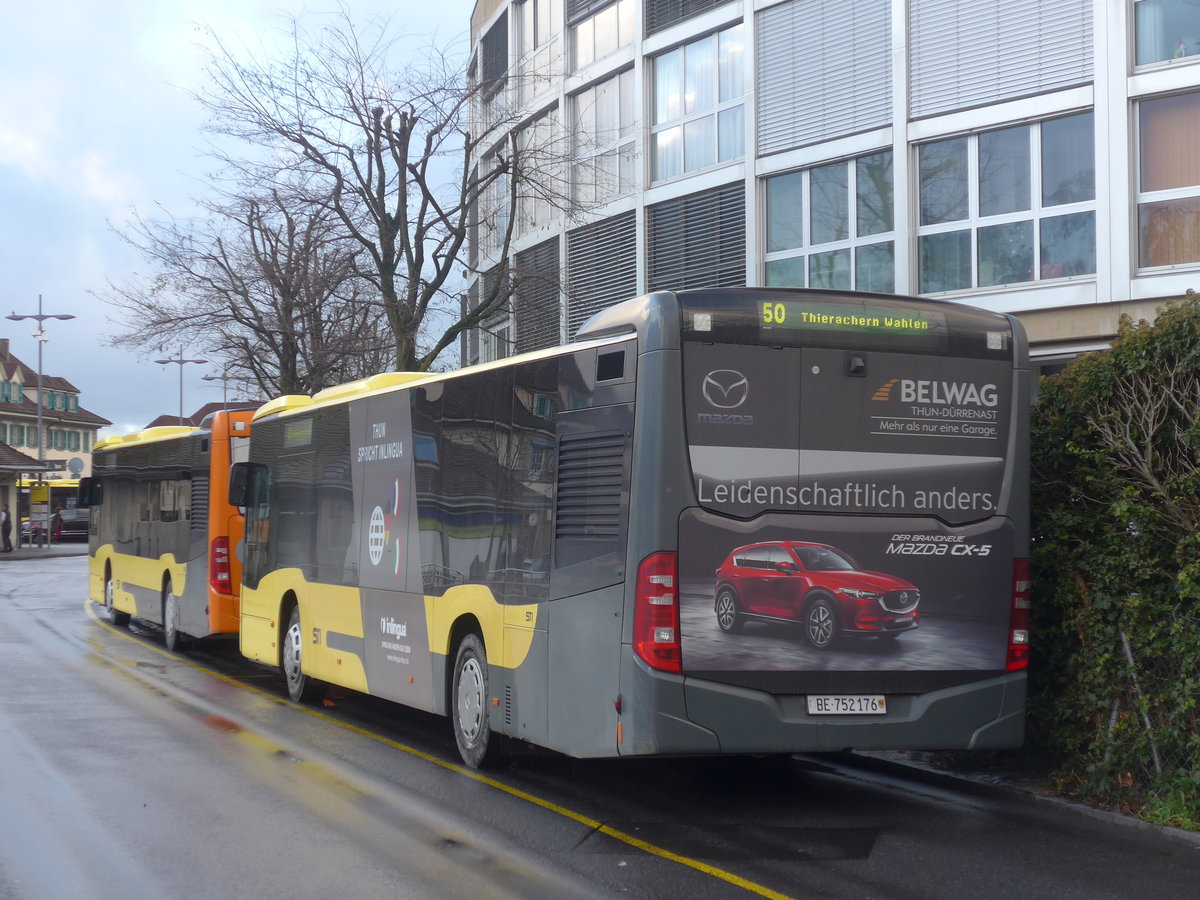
[
  {"x": 230, "y": 443},
  {"x": 846, "y": 565}
]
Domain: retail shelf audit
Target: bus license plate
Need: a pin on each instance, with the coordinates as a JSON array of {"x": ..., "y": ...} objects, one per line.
[{"x": 847, "y": 705}]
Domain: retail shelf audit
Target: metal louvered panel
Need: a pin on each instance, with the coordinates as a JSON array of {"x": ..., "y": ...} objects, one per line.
[
  {"x": 969, "y": 54},
  {"x": 824, "y": 71},
  {"x": 536, "y": 297},
  {"x": 698, "y": 241},
  {"x": 601, "y": 267},
  {"x": 590, "y": 479},
  {"x": 662, "y": 14}
]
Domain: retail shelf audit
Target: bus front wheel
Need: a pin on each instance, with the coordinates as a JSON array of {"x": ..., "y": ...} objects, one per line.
[
  {"x": 114, "y": 615},
  {"x": 477, "y": 745},
  {"x": 301, "y": 688}
]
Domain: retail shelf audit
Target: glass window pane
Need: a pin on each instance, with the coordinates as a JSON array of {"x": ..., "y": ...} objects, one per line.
[
  {"x": 873, "y": 175},
  {"x": 875, "y": 267},
  {"x": 1068, "y": 160},
  {"x": 584, "y": 44},
  {"x": 1166, "y": 29},
  {"x": 1004, "y": 171},
  {"x": 943, "y": 173},
  {"x": 607, "y": 115},
  {"x": 699, "y": 143},
  {"x": 625, "y": 21},
  {"x": 667, "y": 153},
  {"x": 1006, "y": 253},
  {"x": 784, "y": 217},
  {"x": 626, "y": 92},
  {"x": 668, "y": 86},
  {"x": 1169, "y": 232},
  {"x": 731, "y": 127},
  {"x": 1170, "y": 142},
  {"x": 699, "y": 78},
  {"x": 830, "y": 204},
  {"x": 607, "y": 39},
  {"x": 731, "y": 62},
  {"x": 1068, "y": 245},
  {"x": 830, "y": 270},
  {"x": 945, "y": 261},
  {"x": 786, "y": 272}
]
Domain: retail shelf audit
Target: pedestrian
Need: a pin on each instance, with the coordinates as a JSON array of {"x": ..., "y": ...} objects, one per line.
[{"x": 6, "y": 529}]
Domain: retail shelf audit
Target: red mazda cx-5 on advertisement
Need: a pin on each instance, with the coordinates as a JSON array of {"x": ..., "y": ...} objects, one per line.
[{"x": 816, "y": 585}]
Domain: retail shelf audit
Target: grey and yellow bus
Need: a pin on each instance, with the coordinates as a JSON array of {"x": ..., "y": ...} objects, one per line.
[
  {"x": 720, "y": 521},
  {"x": 161, "y": 533}
]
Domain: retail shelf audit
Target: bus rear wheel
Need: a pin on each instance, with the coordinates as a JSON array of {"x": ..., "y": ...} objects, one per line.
[
  {"x": 172, "y": 636},
  {"x": 301, "y": 688},
  {"x": 114, "y": 615},
  {"x": 477, "y": 745}
]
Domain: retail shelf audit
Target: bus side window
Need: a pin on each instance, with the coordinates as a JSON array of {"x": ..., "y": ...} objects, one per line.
[{"x": 91, "y": 493}]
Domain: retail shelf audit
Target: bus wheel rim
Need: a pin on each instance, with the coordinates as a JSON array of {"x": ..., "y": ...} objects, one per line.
[{"x": 470, "y": 699}]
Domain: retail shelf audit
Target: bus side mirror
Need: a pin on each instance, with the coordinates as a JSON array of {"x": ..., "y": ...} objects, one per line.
[
  {"x": 242, "y": 477},
  {"x": 90, "y": 493}
]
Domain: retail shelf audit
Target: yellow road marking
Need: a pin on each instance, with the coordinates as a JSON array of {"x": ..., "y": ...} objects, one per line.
[{"x": 549, "y": 806}]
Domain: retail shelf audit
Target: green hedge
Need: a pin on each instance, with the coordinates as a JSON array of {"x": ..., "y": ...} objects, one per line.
[{"x": 1115, "y": 677}]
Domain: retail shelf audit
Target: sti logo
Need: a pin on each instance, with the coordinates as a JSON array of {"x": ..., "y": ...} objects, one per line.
[{"x": 725, "y": 389}]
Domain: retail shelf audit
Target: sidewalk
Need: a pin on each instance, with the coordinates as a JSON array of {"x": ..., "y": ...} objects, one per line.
[{"x": 67, "y": 548}]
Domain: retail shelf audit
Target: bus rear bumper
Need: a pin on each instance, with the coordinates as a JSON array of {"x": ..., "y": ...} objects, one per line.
[{"x": 982, "y": 715}]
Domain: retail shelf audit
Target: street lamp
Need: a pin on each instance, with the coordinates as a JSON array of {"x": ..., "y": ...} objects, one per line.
[
  {"x": 181, "y": 362},
  {"x": 40, "y": 337},
  {"x": 224, "y": 379}
]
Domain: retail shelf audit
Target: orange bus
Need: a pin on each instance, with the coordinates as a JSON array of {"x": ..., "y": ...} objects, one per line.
[{"x": 161, "y": 533}]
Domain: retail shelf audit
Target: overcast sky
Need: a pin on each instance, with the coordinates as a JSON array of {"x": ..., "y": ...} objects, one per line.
[{"x": 96, "y": 121}]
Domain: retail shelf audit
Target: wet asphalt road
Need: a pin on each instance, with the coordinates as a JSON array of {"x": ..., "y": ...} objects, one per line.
[{"x": 129, "y": 772}]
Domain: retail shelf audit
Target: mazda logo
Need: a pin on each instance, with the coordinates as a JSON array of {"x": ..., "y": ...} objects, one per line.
[{"x": 725, "y": 388}]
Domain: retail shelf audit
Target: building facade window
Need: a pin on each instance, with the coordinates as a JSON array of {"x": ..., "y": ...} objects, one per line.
[
  {"x": 601, "y": 267},
  {"x": 832, "y": 226},
  {"x": 698, "y": 241},
  {"x": 662, "y": 14},
  {"x": 1166, "y": 30},
  {"x": 537, "y": 30},
  {"x": 598, "y": 28},
  {"x": 603, "y": 132},
  {"x": 1169, "y": 181},
  {"x": 698, "y": 105},
  {"x": 541, "y": 191},
  {"x": 493, "y": 208},
  {"x": 1008, "y": 206}
]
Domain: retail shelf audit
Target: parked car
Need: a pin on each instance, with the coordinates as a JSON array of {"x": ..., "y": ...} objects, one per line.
[{"x": 814, "y": 585}]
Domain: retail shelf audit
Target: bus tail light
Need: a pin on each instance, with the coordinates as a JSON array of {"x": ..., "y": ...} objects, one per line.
[
  {"x": 656, "y": 613},
  {"x": 219, "y": 572},
  {"x": 1018, "y": 628}
]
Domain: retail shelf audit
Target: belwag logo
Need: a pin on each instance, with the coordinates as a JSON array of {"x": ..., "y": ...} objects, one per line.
[
  {"x": 938, "y": 393},
  {"x": 725, "y": 389}
]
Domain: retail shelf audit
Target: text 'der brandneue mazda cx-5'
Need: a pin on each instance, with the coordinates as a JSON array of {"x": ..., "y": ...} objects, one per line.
[{"x": 815, "y": 585}]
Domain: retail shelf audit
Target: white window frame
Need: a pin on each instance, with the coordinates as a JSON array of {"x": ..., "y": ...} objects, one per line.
[
  {"x": 853, "y": 242},
  {"x": 1143, "y": 198},
  {"x": 584, "y": 49},
  {"x": 973, "y": 221},
  {"x": 685, "y": 118},
  {"x": 591, "y": 148}
]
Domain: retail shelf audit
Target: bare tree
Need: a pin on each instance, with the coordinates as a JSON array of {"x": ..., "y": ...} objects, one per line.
[
  {"x": 394, "y": 161},
  {"x": 266, "y": 283}
]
